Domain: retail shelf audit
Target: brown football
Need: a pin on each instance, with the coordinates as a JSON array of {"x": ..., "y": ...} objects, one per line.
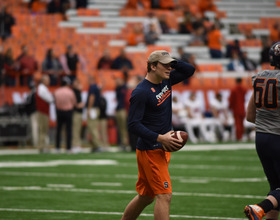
[{"x": 180, "y": 135}]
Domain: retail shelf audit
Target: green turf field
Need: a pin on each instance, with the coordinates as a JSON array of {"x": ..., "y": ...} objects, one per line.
[{"x": 209, "y": 184}]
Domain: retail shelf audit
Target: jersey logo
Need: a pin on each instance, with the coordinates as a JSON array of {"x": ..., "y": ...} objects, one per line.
[
  {"x": 163, "y": 95},
  {"x": 153, "y": 90},
  {"x": 166, "y": 185}
]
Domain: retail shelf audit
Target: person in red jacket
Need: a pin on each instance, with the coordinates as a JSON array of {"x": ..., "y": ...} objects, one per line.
[
  {"x": 43, "y": 100},
  {"x": 236, "y": 104}
]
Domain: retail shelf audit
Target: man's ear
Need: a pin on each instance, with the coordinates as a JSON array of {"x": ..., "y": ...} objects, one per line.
[{"x": 153, "y": 66}]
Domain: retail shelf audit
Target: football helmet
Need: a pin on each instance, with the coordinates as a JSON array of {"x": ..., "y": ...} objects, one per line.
[{"x": 274, "y": 55}]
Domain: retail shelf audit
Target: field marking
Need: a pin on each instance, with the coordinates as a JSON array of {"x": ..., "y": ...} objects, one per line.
[
  {"x": 61, "y": 185},
  {"x": 105, "y": 184},
  {"x": 111, "y": 213},
  {"x": 210, "y": 147},
  {"x": 183, "y": 179},
  {"x": 192, "y": 147},
  {"x": 108, "y": 191},
  {"x": 217, "y": 179},
  {"x": 54, "y": 163}
]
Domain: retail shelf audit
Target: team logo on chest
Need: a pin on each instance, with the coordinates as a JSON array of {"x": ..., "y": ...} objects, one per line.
[{"x": 163, "y": 95}]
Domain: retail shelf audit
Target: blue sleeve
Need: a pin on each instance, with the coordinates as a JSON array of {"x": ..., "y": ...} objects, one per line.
[
  {"x": 135, "y": 116},
  {"x": 181, "y": 72}
]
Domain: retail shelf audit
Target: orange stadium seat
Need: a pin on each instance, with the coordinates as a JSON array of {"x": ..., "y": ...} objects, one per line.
[
  {"x": 210, "y": 67},
  {"x": 88, "y": 12}
]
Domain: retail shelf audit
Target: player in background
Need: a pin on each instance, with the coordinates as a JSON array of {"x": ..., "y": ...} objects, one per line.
[
  {"x": 263, "y": 110},
  {"x": 150, "y": 119}
]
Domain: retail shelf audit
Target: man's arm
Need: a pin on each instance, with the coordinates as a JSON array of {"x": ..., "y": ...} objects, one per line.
[
  {"x": 91, "y": 99},
  {"x": 135, "y": 116},
  {"x": 181, "y": 72},
  {"x": 251, "y": 110},
  {"x": 45, "y": 94}
]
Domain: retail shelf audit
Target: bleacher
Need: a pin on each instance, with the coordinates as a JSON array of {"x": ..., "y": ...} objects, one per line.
[{"x": 106, "y": 23}]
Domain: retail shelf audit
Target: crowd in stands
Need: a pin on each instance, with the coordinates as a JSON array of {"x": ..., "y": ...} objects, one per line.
[{"x": 58, "y": 75}]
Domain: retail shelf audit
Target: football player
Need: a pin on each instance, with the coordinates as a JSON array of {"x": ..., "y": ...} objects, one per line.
[
  {"x": 263, "y": 110},
  {"x": 150, "y": 119}
]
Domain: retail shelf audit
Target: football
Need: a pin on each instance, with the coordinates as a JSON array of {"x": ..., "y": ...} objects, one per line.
[{"x": 180, "y": 135}]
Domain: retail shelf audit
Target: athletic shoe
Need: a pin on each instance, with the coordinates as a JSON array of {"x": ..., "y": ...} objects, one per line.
[{"x": 254, "y": 212}]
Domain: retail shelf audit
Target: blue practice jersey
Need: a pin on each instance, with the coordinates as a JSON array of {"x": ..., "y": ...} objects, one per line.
[{"x": 150, "y": 108}]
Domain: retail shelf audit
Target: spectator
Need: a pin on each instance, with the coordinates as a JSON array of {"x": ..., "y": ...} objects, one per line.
[
  {"x": 30, "y": 109},
  {"x": 233, "y": 47},
  {"x": 185, "y": 27},
  {"x": 248, "y": 63},
  {"x": 69, "y": 62},
  {"x": 77, "y": 117},
  {"x": 136, "y": 36},
  {"x": 93, "y": 113},
  {"x": 9, "y": 68},
  {"x": 27, "y": 66},
  {"x": 215, "y": 42},
  {"x": 122, "y": 61},
  {"x": 163, "y": 24},
  {"x": 182, "y": 54},
  {"x": 194, "y": 120},
  {"x": 81, "y": 3},
  {"x": 54, "y": 6},
  {"x": 206, "y": 5},
  {"x": 237, "y": 105},
  {"x": 151, "y": 36},
  {"x": 155, "y": 4},
  {"x": 275, "y": 32},
  {"x": 105, "y": 62},
  {"x": 265, "y": 51},
  {"x": 52, "y": 67},
  {"x": 188, "y": 58},
  {"x": 166, "y": 4},
  {"x": 2, "y": 72},
  {"x": 198, "y": 37},
  {"x": 65, "y": 101},
  {"x": 59, "y": 6},
  {"x": 103, "y": 119},
  {"x": 6, "y": 22},
  {"x": 121, "y": 114},
  {"x": 151, "y": 19},
  {"x": 178, "y": 112},
  {"x": 235, "y": 63},
  {"x": 37, "y": 6},
  {"x": 223, "y": 118},
  {"x": 138, "y": 4},
  {"x": 43, "y": 100}
]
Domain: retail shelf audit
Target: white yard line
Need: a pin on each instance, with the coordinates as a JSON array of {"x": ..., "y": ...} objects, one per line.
[
  {"x": 191, "y": 147},
  {"x": 106, "y": 184},
  {"x": 111, "y": 213},
  {"x": 209, "y": 147},
  {"x": 182, "y": 179},
  {"x": 54, "y": 163},
  {"x": 60, "y": 185},
  {"x": 39, "y": 188}
]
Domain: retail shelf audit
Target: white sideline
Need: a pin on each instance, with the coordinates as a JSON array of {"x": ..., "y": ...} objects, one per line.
[{"x": 110, "y": 213}]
